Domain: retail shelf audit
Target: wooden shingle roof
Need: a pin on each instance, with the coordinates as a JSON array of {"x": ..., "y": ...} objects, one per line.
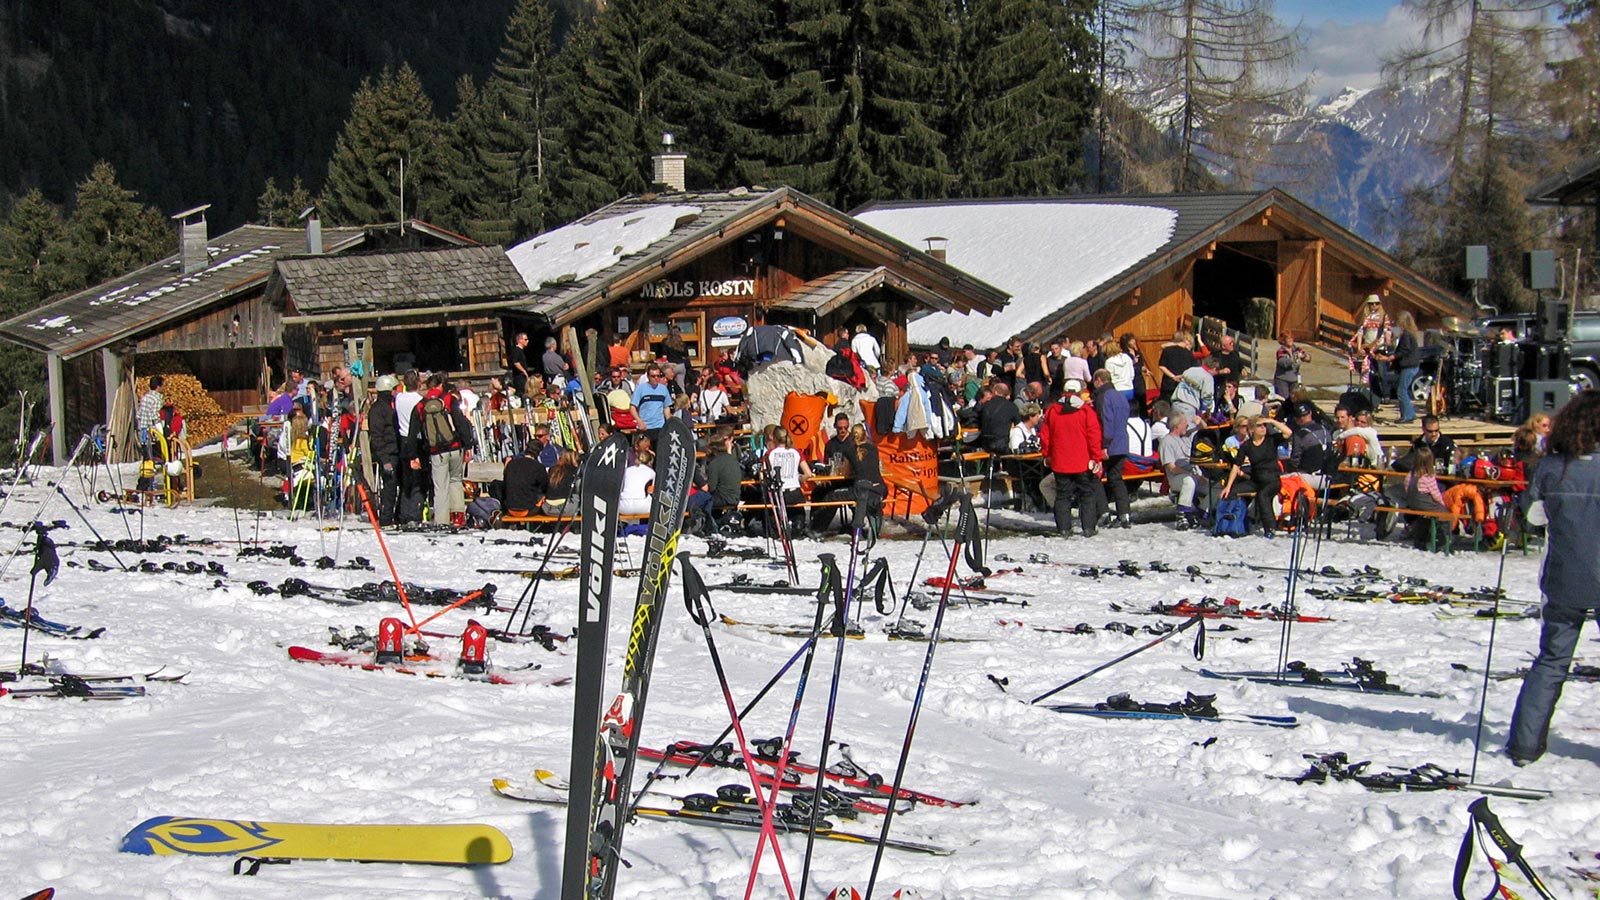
[
  {"x": 124, "y": 307},
  {"x": 403, "y": 280}
]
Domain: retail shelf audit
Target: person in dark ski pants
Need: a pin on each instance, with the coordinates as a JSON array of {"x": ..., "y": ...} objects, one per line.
[
  {"x": 1563, "y": 496},
  {"x": 383, "y": 442},
  {"x": 1113, "y": 410},
  {"x": 1070, "y": 442}
]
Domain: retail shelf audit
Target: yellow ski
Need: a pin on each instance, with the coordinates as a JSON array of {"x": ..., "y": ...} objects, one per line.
[{"x": 460, "y": 845}]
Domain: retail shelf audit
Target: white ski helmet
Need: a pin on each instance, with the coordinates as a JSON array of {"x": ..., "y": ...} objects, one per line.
[
  {"x": 387, "y": 382},
  {"x": 175, "y": 468}
]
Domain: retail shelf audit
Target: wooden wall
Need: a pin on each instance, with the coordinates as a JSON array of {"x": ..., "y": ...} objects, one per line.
[
  {"x": 1299, "y": 284},
  {"x": 260, "y": 325},
  {"x": 84, "y": 403}
]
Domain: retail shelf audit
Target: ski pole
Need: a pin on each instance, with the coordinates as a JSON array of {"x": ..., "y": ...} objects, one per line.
[
  {"x": 771, "y": 803},
  {"x": 695, "y": 600},
  {"x": 1488, "y": 659},
  {"x": 1200, "y": 643},
  {"x": 399, "y": 586},
  {"x": 564, "y": 526},
  {"x": 966, "y": 531},
  {"x": 38, "y": 514},
  {"x": 92, "y": 530},
  {"x": 46, "y": 561},
  {"x": 829, "y": 587}
]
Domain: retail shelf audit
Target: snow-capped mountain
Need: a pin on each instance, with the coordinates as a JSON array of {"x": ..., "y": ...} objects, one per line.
[{"x": 1354, "y": 155}]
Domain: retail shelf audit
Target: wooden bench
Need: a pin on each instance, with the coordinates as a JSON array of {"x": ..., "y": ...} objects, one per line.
[
  {"x": 1434, "y": 518},
  {"x": 535, "y": 519}
]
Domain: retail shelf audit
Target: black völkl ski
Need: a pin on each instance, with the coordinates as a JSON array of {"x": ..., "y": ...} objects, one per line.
[
  {"x": 618, "y": 737},
  {"x": 599, "y": 490}
]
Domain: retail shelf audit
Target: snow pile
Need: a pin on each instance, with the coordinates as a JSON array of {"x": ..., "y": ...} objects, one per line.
[
  {"x": 1045, "y": 254},
  {"x": 574, "y": 252},
  {"x": 1068, "y": 806}
]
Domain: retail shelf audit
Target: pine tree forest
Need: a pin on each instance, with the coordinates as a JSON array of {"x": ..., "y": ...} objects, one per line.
[{"x": 503, "y": 119}]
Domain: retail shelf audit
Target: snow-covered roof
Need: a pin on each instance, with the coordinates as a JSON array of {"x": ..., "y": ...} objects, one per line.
[
  {"x": 1046, "y": 254},
  {"x": 574, "y": 252}
]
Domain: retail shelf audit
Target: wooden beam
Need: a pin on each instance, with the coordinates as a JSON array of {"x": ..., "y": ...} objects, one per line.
[
  {"x": 111, "y": 377},
  {"x": 58, "y": 409}
]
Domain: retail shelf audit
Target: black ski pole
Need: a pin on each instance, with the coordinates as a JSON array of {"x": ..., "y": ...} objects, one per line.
[
  {"x": 44, "y": 560},
  {"x": 1296, "y": 557},
  {"x": 829, "y": 588},
  {"x": 563, "y": 526},
  {"x": 85, "y": 519},
  {"x": 1199, "y": 652},
  {"x": 966, "y": 531},
  {"x": 1488, "y": 658},
  {"x": 697, "y": 600}
]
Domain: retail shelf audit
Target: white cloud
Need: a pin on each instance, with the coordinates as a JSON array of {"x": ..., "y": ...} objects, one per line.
[{"x": 1350, "y": 54}]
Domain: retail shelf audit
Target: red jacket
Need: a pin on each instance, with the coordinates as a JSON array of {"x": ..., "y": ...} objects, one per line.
[{"x": 1070, "y": 438}]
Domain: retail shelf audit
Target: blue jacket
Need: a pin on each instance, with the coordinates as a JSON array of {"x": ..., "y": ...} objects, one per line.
[
  {"x": 1569, "y": 490},
  {"x": 1113, "y": 408}
]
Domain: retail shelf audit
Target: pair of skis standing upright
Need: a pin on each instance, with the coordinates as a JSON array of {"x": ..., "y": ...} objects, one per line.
[{"x": 602, "y": 772}]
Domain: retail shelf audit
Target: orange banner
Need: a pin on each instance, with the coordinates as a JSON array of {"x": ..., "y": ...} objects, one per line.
[{"x": 802, "y": 418}]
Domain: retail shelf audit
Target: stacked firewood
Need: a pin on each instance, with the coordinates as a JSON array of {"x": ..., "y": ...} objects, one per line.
[{"x": 204, "y": 419}]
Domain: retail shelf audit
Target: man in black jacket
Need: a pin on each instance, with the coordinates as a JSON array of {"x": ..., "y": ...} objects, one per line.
[
  {"x": 996, "y": 415},
  {"x": 383, "y": 442}
]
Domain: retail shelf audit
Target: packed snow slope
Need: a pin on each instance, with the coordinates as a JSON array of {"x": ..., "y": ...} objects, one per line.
[{"x": 1068, "y": 806}]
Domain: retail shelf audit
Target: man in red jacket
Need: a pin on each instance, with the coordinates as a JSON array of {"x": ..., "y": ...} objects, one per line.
[{"x": 1069, "y": 438}]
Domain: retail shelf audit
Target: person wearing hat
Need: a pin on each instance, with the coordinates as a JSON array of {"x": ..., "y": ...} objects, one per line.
[
  {"x": 1308, "y": 444},
  {"x": 1372, "y": 332},
  {"x": 1286, "y": 370},
  {"x": 383, "y": 442},
  {"x": 1071, "y": 443}
]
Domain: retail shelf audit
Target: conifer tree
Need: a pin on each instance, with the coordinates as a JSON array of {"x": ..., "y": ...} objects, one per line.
[
  {"x": 282, "y": 208},
  {"x": 611, "y": 122},
  {"x": 33, "y": 245},
  {"x": 506, "y": 132},
  {"x": 1024, "y": 96},
  {"x": 109, "y": 232},
  {"x": 391, "y": 127},
  {"x": 863, "y": 86}
]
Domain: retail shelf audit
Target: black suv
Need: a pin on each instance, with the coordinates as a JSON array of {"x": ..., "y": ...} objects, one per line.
[{"x": 1583, "y": 341}]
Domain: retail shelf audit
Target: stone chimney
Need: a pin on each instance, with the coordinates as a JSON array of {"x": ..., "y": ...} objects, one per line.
[
  {"x": 668, "y": 168},
  {"x": 192, "y": 255}
]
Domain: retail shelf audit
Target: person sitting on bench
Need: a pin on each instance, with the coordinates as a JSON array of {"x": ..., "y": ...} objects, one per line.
[{"x": 1422, "y": 494}]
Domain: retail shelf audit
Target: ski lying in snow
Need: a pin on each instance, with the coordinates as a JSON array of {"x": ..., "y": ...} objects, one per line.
[
  {"x": 974, "y": 584},
  {"x": 71, "y": 687},
  {"x": 1196, "y": 706},
  {"x": 1578, "y": 672},
  {"x": 854, "y": 634},
  {"x": 1326, "y": 767},
  {"x": 746, "y": 587},
  {"x": 844, "y": 771},
  {"x": 459, "y": 845},
  {"x": 705, "y": 809},
  {"x": 16, "y": 618},
  {"x": 550, "y": 788},
  {"x": 1358, "y": 676},
  {"x": 1487, "y": 612},
  {"x": 158, "y": 675},
  {"x": 1211, "y": 608},
  {"x": 416, "y": 666}
]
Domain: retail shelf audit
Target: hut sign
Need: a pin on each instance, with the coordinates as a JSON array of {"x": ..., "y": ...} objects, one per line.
[{"x": 728, "y": 287}]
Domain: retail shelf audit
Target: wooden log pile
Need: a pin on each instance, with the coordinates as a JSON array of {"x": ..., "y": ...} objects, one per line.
[{"x": 204, "y": 419}]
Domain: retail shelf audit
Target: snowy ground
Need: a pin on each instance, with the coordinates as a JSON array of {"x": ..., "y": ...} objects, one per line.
[{"x": 1070, "y": 806}]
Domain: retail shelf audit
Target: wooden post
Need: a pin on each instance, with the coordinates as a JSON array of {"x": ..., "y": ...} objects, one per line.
[
  {"x": 111, "y": 377},
  {"x": 58, "y": 409}
]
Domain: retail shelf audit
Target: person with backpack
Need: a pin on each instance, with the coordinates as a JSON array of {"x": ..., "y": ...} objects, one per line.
[
  {"x": 1257, "y": 457},
  {"x": 439, "y": 427},
  {"x": 383, "y": 442}
]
